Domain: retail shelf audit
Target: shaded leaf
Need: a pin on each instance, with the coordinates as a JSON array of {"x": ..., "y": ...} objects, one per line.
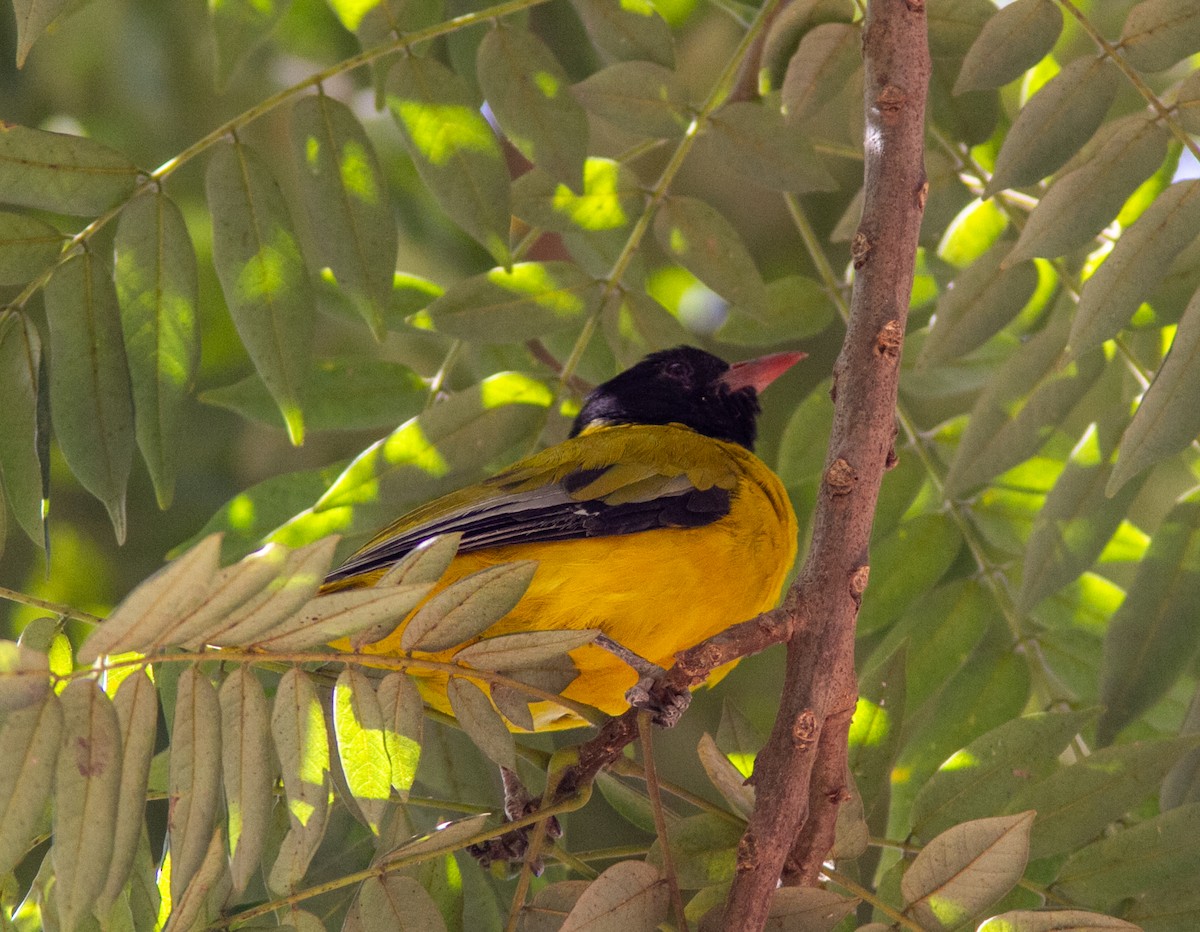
[
  {"x": 200, "y": 903},
  {"x": 1011, "y": 42},
  {"x": 528, "y": 301},
  {"x": 393, "y": 902},
  {"x": 263, "y": 276},
  {"x": 796, "y": 308},
  {"x": 448, "y": 836},
  {"x": 628, "y": 30},
  {"x": 965, "y": 869},
  {"x": 639, "y": 97},
  {"x": 1137, "y": 263},
  {"x": 785, "y": 31},
  {"x": 700, "y": 238},
  {"x": 1158, "y": 33},
  {"x": 703, "y": 849},
  {"x": 1055, "y": 122},
  {"x": 1083, "y": 202},
  {"x": 302, "y": 745},
  {"x": 247, "y": 771},
  {"x": 86, "y": 783},
  {"x": 530, "y": 96},
  {"x": 630, "y": 896},
  {"x": 801, "y": 456},
  {"x": 1187, "y": 103},
  {"x": 31, "y": 739},
  {"x": 24, "y": 676},
  {"x": 725, "y": 777},
  {"x": 195, "y": 776},
  {"x": 136, "y": 702},
  {"x": 875, "y": 733},
  {"x": 157, "y": 287},
  {"x": 825, "y": 60},
  {"x": 551, "y": 904},
  {"x": 1181, "y": 784},
  {"x": 425, "y": 563},
  {"x": 1151, "y": 639},
  {"x": 61, "y": 173},
  {"x": 240, "y": 26},
  {"x": 754, "y": 141},
  {"x": 147, "y": 616},
  {"x": 638, "y": 325},
  {"x": 529, "y": 648},
  {"x": 20, "y": 463},
  {"x": 481, "y": 722},
  {"x": 403, "y": 724},
  {"x": 358, "y": 724},
  {"x": 1166, "y": 421},
  {"x": 454, "y": 149},
  {"x": 629, "y": 803},
  {"x": 806, "y": 909},
  {"x": 1054, "y": 920},
  {"x": 339, "y": 614},
  {"x": 469, "y": 607},
  {"x": 984, "y": 775},
  {"x": 27, "y": 247},
  {"x": 33, "y": 16},
  {"x": 906, "y": 565},
  {"x": 1075, "y": 803},
  {"x": 982, "y": 300},
  {"x": 89, "y": 381},
  {"x": 345, "y": 192}
]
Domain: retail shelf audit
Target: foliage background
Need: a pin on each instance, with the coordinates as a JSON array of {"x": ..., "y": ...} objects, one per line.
[{"x": 1002, "y": 572}]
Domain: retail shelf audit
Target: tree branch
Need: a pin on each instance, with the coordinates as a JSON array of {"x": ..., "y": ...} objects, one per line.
[{"x": 820, "y": 688}]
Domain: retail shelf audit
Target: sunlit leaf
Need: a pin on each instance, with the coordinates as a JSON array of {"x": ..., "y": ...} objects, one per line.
[
  {"x": 60, "y": 173},
  {"x": 263, "y": 276},
  {"x": 612, "y": 198},
  {"x": 89, "y": 381},
  {"x": 358, "y": 724},
  {"x": 340, "y": 614},
  {"x": 403, "y": 726},
  {"x": 157, "y": 288}
]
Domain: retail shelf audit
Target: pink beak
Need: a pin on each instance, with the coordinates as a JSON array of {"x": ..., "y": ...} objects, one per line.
[{"x": 761, "y": 372}]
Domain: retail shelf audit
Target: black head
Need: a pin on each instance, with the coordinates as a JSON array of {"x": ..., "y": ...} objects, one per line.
[{"x": 687, "y": 386}]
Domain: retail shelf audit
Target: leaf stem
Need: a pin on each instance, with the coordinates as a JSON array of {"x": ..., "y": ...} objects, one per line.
[
  {"x": 645, "y": 729},
  {"x": 55, "y": 608}
]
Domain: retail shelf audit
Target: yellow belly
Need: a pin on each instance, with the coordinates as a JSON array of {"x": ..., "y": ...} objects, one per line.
[{"x": 654, "y": 592}]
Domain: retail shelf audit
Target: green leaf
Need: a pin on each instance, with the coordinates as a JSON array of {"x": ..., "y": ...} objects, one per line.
[
  {"x": 1055, "y": 122},
  {"x": 454, "y": 149},
  {"x": 194, "y": 785},
  {"x": 27, "y": 247},
  {"x": 339, "y": 614},
  {"x": 1054, "y": 920},
  {"x": 33, "y": 16},
  {"x": 1077, "y": 520},
  {"x": 344, "y": 393},
  {"x": 1011, "y": 42},
  {"x": 1021, "y": 406},
  {"x": 529, "y": 648},
  {"x": 703, "y": 849},
  {"x": 1166, "y": 421},
  {"x": 1181, "y": 784},
  {"x": 358, "y": 724},
  {"x": 629, "y": 896},
  {"x": 530, "y": 94},
  {"x": 638, "y": 325},
  {"x": 906, "y": 565},
  {"x": 526, "y": 302},
  {"x": 754, "y": 141},
  {"x": 801, "y": 452},
  {"x": 612, "y": 197},
  {"x": 469, "y": 607},
  {"x": 31, "y": 739},
  {"x": 628, "y": 30},
  {"x": 148, "y": 616},
  {"x": 403, "y": 725},
  {"x": 786, "y": 30},
  {"x": 796, "y": 308},
  {"x": 629, "y": 803},
  {"x": 241, "y": 26},
  {"x": 136, "y": 702},
  {"x": 60, "y": 173},
  {"x": 345, "y": 192},
  {"x": 1155, "y": 858},
  {"x": 393, "y": 903},
  {"x": 20, "y": 464},
  {"x": 989, "y": 771},
  {"x": 89, "y": 381},
  {"x": 876, "y": 731},
  {"x": 1136, "y": 265},
  {"x": 1083, "y": 202},
  {"x": 639, "y": 97},
  {"x": 1074, "y": 804},
  {"x": 1151, "y": 639},
  {"x": 262, "y": 273},
  {"x": 247, "y": 771},
  {"x": 480, "y": 720},
  {"x": 954, "y": 26},
  {"x": 86, "y": 782},
  {"x": 157, "y": 287},
  {"x": 1158, "y": 33},
  {"x": 823, "y": 64},
  {"x": 700, "y": 239},
  {"x": 298, "y": 727},
  {"x": 981, "y": 301},
  {"x": 965, "y": 869}
]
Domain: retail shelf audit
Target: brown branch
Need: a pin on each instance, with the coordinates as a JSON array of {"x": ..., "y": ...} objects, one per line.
[{"x": 820, "y": 686}]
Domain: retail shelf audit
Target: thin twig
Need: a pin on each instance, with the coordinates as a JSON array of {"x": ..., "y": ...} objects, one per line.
[{"x": 660, "y": 818}]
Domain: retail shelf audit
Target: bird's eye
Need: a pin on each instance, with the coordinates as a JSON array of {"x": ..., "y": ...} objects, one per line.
[{"x": 680, "y": 371}]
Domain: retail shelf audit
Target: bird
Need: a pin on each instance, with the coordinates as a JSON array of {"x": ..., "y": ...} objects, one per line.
[{"x": 654, "y": 523}]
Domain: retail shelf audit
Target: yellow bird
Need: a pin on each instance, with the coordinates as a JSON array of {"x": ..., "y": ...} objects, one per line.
[{"x": 654, "y": 523}]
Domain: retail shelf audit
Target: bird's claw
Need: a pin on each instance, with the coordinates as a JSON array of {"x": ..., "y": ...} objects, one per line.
[{"x": 666, "y": 704}]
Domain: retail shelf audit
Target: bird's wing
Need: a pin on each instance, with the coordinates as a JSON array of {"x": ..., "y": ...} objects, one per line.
[{"x": 555, "y": 497}]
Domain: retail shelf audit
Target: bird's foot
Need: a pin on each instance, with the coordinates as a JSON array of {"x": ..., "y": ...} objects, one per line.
[
  {"x": 666, "y": 704},
  {"x": 513, "y": 846}
]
